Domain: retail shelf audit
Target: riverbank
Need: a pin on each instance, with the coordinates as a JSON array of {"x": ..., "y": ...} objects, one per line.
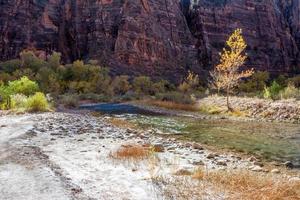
[
  {"x": 255, "y": 108},
  {"x": 245, "y": 109},
  {"x": 71, "y": 154}
]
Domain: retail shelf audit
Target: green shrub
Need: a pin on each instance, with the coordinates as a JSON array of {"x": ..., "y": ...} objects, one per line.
[
  {"x": 142, "y": 85},
  {"x": 18, "y": 101},
  {"x": 11, "y": 65},
  {"x": 267, "y": 93},
  {"x": 273, "y": 91},
  {"x": 70, "y": 101},
  {"x": 255, "y": 83},
  {"x": 121, "y": 85},
  {"x": 290, "y": 92},
  {"x": 294, "y": 81},
  {"x": 30, "y": 60},
  {"x": 37, "y": 103},
  {"x": 23, "y": 86}
]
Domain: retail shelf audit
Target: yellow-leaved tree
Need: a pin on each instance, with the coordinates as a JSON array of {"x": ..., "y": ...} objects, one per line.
[{"x": 227, "y": 73}]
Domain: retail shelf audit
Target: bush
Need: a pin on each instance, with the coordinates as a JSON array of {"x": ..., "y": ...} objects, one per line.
[
  {"x": 37, "y": 103},
  {"x": 255, "y": 83},
  {"x": 95, "y": 97},
  {"x": 272, "y": 92},
  {"x": 190, "y": 83},
  {"x": 121, "y": 85},
  {"x": 142, "y": 85},
  {"x": 70, "y": 101},
  {"x": 19, "y": 101},
  {"x": 290, "y": 92},
  {"x": 176, "y": 97},
  {"x": 23, "y": 86}
]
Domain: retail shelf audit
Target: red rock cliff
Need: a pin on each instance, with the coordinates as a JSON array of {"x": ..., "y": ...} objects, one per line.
[{"x": 153, "y": 37}]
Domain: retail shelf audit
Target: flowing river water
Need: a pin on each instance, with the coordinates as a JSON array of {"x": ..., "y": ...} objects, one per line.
[{"x": 269, "y": 140}]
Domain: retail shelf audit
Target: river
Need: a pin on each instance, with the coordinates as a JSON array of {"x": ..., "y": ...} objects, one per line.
[{"x": 271, "y": 141}]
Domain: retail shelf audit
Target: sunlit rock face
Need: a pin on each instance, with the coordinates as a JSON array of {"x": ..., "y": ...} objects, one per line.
[
  {"x": 131, "y": 36},
  {"x": 159, "y": 38}
]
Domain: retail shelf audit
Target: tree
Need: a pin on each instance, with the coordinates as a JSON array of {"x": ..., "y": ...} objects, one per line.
[{"x": 227, "y": 74}]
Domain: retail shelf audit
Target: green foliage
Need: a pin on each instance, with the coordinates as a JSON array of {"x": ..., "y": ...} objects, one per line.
[
  {"x": 142, "y": 85},
  {"x": 272, "y": 92},
  {"x": 256, "y": 83},
  {"x": 294, "y": 81},
  {"x": 121, "y": 85},
  {"x": 23, "y": 86},
  {"x": 37, "y": 103},
  {"x": 281, "y": 80},
  {"x": 10, "y": 65},
  {"x": 177, "y": 97},
  {"x": 267, "y": 93},
  {"x": 19, "y": 73},
  {"x": 30, "y": 60},
  {"x": 70, "y": 101},
  {"x": 290, "y": 92},
  {"x": 54, "y": 60},
  {"x": 18, "y": 101}
]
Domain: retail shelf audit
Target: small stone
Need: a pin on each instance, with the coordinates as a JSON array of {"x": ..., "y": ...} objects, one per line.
[
  {"x": 222, "y": 163},
  {"x": 288, "y": 164},
  {"x": 211, "y": 156},
  {"x": 258, "y": 163},
  {"x": 275, "y": 171},
  {"x": 158, "y": 148},
  {"x": 252, "y": 159},
  {"x": 187, "y": 145},
  {"x": 197, "y": 146},
  {"x": 200, "y": 162},
  {"x": 257, "y": 169},
  {"x": 294, "y": 179}
]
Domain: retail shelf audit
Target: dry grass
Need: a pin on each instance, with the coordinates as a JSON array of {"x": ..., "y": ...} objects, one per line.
[
  {"x": 131, "y": 152},
  {"x": 248, "y": 185},
  {"x": 229, "y": 185},
  {"x": 121, "y": 123},
  {"x": 212, "y": 110},
  {"x": 173, "y": 105}
]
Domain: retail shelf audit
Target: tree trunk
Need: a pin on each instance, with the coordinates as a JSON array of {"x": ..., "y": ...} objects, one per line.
[{"x": 230, "y": 109}]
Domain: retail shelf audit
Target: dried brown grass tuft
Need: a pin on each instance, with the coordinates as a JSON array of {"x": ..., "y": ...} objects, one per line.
[
  {"x": 248, "y": 185},
  {"x": 131, "y": 152},
  {"x": 121, "y": 123}
]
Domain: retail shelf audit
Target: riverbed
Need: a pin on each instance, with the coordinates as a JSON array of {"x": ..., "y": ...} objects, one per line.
[{"x": 271, "y": 141}]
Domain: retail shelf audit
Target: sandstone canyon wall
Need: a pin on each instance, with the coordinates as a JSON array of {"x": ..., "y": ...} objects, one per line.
[{"x": 153, "y": 37}]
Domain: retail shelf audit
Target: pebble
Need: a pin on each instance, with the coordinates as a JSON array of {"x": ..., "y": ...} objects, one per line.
[
  {"x": 197, "y": 146},
  {"x": 288, "y": 164},
  {"x": 256, "y": 169},
  {"x": 275, "y": 171}
]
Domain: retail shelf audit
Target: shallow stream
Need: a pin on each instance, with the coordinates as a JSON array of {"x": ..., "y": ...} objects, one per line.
[{"x": 269, "y": 140}]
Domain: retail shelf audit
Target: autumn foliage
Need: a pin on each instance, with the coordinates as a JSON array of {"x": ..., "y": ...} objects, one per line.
[{"x": 227, "y": 73}]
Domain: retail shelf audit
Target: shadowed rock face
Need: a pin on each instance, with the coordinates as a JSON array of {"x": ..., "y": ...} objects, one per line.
[
  {"x": 153, "y": 37},
  {"x": 271, "y": 30}
]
